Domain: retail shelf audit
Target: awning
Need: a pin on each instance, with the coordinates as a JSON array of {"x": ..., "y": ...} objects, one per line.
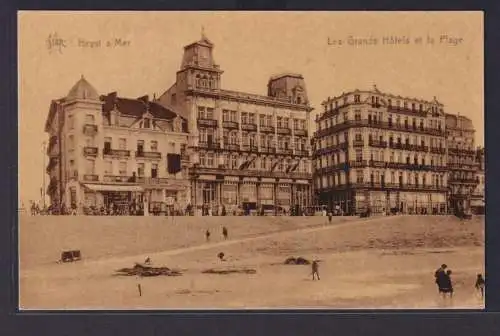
[{"x": 113, "y": 187}]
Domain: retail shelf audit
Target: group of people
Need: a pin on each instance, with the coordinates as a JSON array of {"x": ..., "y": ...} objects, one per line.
[
  {"x": 445, "y": 285},
  {"x": 225, "y": 234}
]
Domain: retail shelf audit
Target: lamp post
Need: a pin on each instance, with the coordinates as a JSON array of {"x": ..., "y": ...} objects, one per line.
[{"x": 44, "y": 145}]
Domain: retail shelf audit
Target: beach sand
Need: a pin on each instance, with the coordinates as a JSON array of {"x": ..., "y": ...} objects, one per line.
[{"x": 379, "y": 262}]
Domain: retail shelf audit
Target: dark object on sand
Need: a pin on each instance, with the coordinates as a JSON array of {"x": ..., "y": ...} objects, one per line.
[
  {"x": 221, "y": 256},
  {"x": 147, "y": 271},
  {"x": 365, "y": 214},
  {"x": 70, "y": 256},
  {"x": 297, "y": 261},
  {"x": 229, "y": 270}
]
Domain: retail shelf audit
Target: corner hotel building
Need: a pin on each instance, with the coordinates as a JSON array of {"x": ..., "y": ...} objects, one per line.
[
  {"x": 380, "y": 151},
  {"x": 246, "y": 149}
]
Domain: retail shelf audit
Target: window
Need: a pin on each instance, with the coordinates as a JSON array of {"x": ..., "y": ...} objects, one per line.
[
  {"x": 107, "y": 145},
  {"x": 71, "y": 122},
  {"x": 225, "y": 115},
  {"x": 295, "y": 124},
  {"x": 154, "y": 170},
  {"x": 210, "y": 113},
  {"x": 269, "y": 120},
  {"x": 122, "y": 143},
  {"x": 262, "y": 120},
  {"x": 140, "y": 147},
  {"x": 359, "y": 155},
  {"x": 210, "y": 160},
  {"x": 140, "y": 169},
  {"x": 147, "y": 123},
  {"x": 357, "y": 98},
  {"x": 201, "y": 112},
  {"x": 89, "y": 119},
  {"x": 357, "y": 116},
  {"x": 359, "y": 176},
  {"x": 154, "y": 146},
  {"x": 89, "y": 141},
  {"x": 203, "y": 159},
  {"x": 234, "y": 116},
  {"x": 234, "y": 162},
  {"x": 244, "y": 118},
  {"x": 389, "y": 102},
  {"x": 122, "y": 167},
  {"x": 280, "y": 122},
  {"x": 251, "y": 118},
  {"x": 345, "y": 115},
  {"x": 108, "y": 167}
]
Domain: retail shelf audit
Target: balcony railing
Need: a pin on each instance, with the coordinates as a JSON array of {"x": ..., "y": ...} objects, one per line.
[
  {"x": 463, "y": 180},
  {"x": 301, "y": 152},
  {"x": 284, "y": 130},
  {"x": 153, "y": 180},
  {"x": 89, "y": 129},
  {"x": 267, "y": 129},
  {"x": 123, "y": 153},
  {"x": 90, "y": 151},
  {"x": 148, "y": 155},
  {"x": 250, "y": 148},
  {"x": 249, "y": 127},
  {"x": 268, "y": 149},
  {"x": 463, "y": 166},
  {"x": 209, "y": 145},
  {"x": 300, "y": 132},
  {"x": 377, "y": 143},
  {"x": 230, "y": 124},
  {"x": 251, "y": 173},
  {"x": 438, "y": 150},
  {"x": 358, "y": 143},
  {"x": 118, "y": 178},
  {"x": 390, "y": 186},
  {"x": 288, "y": 151},
  {"x": 379, "y": 124},
  {"x": 207, "y": 122},
  {"x": 232, "y": 147},
  {"x": 91, "y": 177}
]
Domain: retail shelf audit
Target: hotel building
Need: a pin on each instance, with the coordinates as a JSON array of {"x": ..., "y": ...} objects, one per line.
[
  {"x": 107, "y": 150},
  {"x": 462, "y": 161},
  {"x": 381, "y": 151},
  {"x": 247, "y": 150}
]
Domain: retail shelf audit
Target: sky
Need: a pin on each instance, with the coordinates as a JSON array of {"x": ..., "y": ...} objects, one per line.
[{"x": 249, "y": 47}]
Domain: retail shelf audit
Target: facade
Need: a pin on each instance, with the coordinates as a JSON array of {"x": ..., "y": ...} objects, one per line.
[
  {"x": 112, "y": 152},
  {"x": 382, "y": 152},
  {"x": 462, "y": 162},
  {"x": 248, "y": 151},
  {"x": 478, "y": 195}
]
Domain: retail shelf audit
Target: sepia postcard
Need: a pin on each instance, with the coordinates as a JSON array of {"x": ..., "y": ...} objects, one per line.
[{"x": 251, "y": 160}]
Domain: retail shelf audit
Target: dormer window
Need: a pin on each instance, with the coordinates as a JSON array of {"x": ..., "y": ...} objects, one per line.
[{"x": 146, "y": 123}]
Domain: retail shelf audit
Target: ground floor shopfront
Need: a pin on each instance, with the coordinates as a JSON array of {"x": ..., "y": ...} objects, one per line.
[
  {"x": 252, "y": 193},
  {"x": 356, "y": 201},
  {"x": 128, "y": 198}
]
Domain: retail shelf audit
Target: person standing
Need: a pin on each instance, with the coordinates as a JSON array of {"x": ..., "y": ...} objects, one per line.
[
  {"x": 480, "y": 284},
  {"x": 439, "y": 274},
  {"x": 224, "y": 232},
  {"x": 315, "y": 269},
  {"x": 207, "y": 235}
]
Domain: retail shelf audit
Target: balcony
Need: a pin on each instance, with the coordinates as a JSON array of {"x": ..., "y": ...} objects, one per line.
[
  {"x": 357, "y": 164},
  {"x": 378, "y": 164},
  {"x": 230, "y": 124},
  {"x": 119, "y": 153},
  {"x": 377, "y": 143},
  {"x": 148, "y": 155},
  {"x": 249, "y": 127},
  {"x": 300, "y": 132},
  {"x": 249, "y": 148},
  {"x": 270, "y": 150},
  {"x": 90, "y": 151},
  {"x": 209, "y": 145},
  {"x": 287, "y": 151},
  {"x": 232, "y": 147},
  {"x": 91, "y": 177},
  {"x": 284, "y": 131},
  {"x": 90, "y": 129},
  {"x": 463, "y": 180},
  {"x": 438, "y": 150},
  {"x": 118, "y": 178},
  {"x": 250, "y": 173},
  {"x": 266, "y": 129},
  {"x": 153, "y": 180},
  {"x": 463, "y": 166},
  {"x": 207, "y": 122},
  {"x": 301, "y": 152},
  {"x": 358, "y": 143}
]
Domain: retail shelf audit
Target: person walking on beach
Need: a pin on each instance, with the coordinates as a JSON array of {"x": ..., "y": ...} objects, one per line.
[
  {"x": 480, "y": 285},
  {"x": 439, "y": 274},
  {"x": 224, "y": 232},
  {"x": 207, "y": 235},
  {"x": 330, "y": 217},
  {"x": 315, "y": 269}
]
